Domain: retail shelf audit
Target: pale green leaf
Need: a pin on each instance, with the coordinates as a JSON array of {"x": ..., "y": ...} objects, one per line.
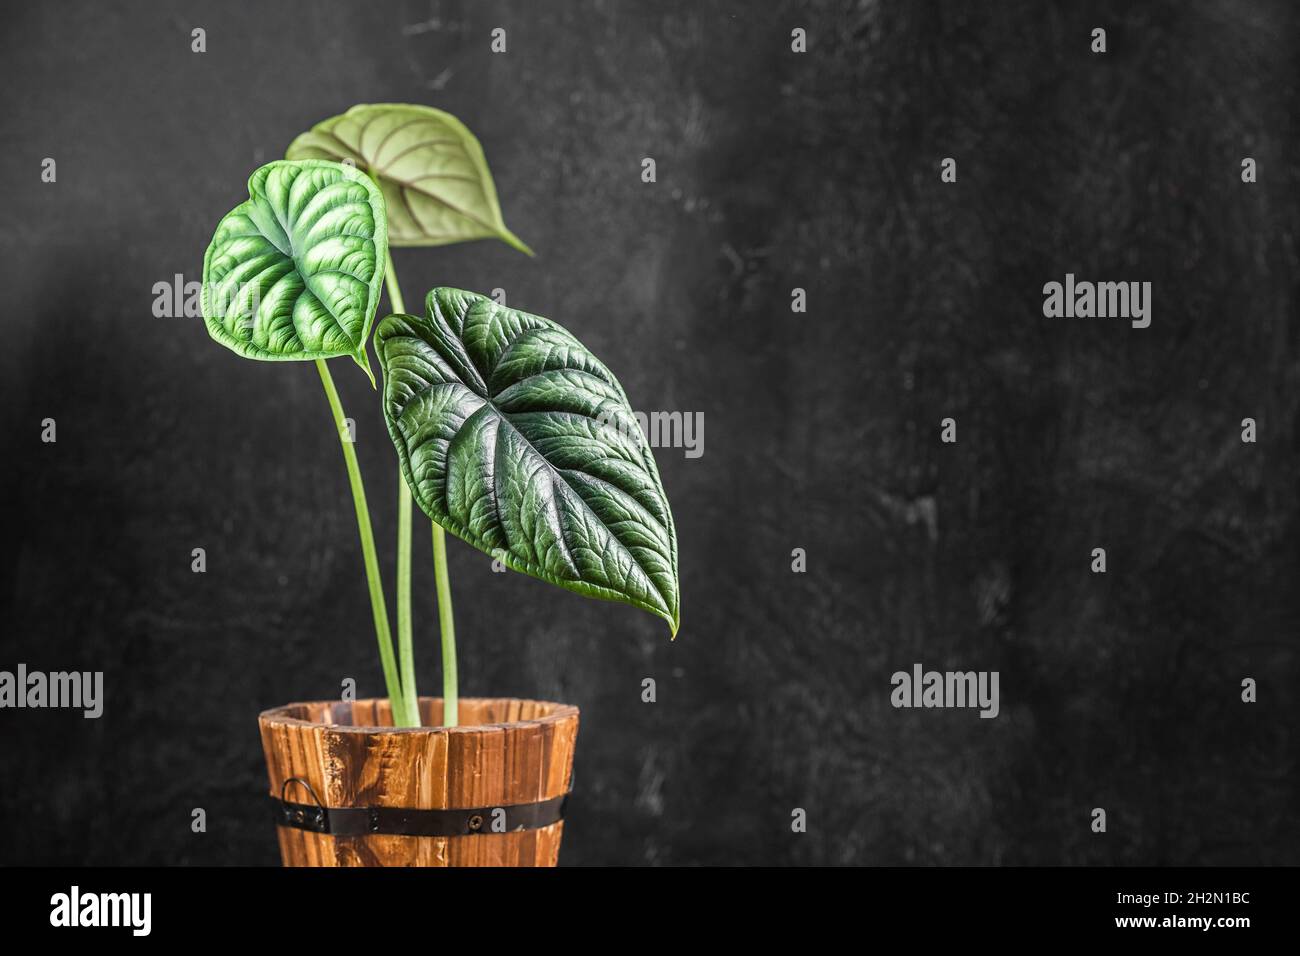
[{"x": 431, "y": 169}]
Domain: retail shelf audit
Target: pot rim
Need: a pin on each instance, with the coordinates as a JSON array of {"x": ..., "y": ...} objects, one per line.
[{"x": 277, "y": 716}]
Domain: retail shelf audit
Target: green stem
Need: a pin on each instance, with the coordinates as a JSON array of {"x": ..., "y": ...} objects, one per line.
[
  {"x": 390, "y": 282},
  {"x": 405, "y": 643},
  {"x": 396, "y": 700},
  {"x": 446, "y": 624},
  {"x": 450, "y": 694},
  {"x": 405, "y": 649}
]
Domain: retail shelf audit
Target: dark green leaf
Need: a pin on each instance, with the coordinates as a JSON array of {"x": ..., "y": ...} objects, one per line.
[{"x": 516, "y": 438}]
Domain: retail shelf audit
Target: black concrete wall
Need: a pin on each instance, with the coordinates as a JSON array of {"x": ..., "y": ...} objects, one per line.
[{"x": 776, "y": 170}]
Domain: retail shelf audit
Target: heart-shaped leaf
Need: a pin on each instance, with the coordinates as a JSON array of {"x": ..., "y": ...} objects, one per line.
[
  {"x": 430, "y": 167},
  {"x": 516, "y": 438},
  {"x": 294, "y": 272}
]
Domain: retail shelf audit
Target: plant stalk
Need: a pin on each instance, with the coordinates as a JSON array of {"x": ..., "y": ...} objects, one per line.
[
  {"x": 450, "y": 691},
  {"x": 405, "y": 646},
  {"x": 405, "y": 642},
  {"x": 396, "y": 699},
  {"x": 446, "y": 623}
]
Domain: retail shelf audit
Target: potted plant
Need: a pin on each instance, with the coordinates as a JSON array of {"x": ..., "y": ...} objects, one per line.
[{"x": 509, "y": 435}]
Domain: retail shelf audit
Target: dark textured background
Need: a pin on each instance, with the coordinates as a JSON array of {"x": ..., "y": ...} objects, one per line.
[{"x": 775, "y": 170}]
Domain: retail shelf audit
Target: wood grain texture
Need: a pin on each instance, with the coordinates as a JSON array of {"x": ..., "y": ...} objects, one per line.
[{"x": 506, "y": 751}]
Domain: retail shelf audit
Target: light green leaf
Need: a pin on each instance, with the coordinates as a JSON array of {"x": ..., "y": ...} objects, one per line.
[
  {"x": 294, "y": 272},
  {"x": 517, "y": 439},
  {"x": 431, "y": 169}
]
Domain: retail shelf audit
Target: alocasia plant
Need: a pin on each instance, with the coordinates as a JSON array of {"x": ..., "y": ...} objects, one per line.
[
  {"x": 510, "y": 434},
  {"x": 436, "y": 184}
]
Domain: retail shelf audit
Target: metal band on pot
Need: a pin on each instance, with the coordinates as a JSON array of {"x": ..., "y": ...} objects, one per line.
[{"x": 409, "y": 821}]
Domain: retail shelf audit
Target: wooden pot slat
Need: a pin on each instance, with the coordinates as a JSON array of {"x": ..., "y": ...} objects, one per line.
[{"x": 505, "y": 752}]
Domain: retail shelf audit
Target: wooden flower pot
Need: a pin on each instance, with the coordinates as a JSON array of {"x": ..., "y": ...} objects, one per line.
[{"x": 349, "y": 789}]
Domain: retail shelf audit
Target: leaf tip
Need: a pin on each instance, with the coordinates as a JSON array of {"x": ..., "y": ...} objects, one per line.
[
  {"x": 510, "y": 239},
  {"x": 362, "y": 358}
]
